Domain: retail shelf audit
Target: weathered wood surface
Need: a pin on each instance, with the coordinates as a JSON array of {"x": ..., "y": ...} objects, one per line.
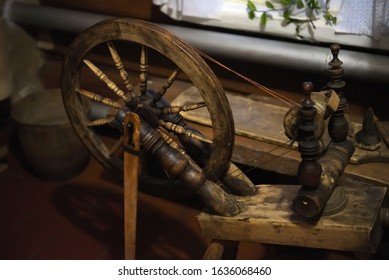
[
  {"x": 255, "y": 117},
  {"x": 381, "y": 154},
  {"x": 131, "y": 171},
  {"x": 221, "y": 249},
  {"x": 260, "y": 140},
  {"x": 267, "y": 217}
]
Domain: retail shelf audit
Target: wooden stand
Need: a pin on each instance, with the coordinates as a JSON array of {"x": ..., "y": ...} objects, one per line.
[
  {"x": 131, "y": 171},
  {"x": 267, "y": 217}
]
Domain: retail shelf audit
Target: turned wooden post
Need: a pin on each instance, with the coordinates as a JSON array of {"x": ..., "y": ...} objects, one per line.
[
  {"x": 319, "y": 177},
  {"x": 309, "y": 170},
  {"x": 338, "y": 126}
]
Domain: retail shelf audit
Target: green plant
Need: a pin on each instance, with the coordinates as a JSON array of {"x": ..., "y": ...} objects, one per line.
[{"x": 311, "y": 7}]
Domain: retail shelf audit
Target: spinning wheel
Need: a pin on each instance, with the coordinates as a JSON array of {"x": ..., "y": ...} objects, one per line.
[
  {"x": 202, "y": 163},
  {"x": 186, "y": 59},
  {"x": 160, "y": 122}
]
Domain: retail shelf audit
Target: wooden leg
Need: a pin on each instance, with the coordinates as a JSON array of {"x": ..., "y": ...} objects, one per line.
[
  {"x": 221, "y": 250},
  {"x": 215, "y": 250},
  {"x": 230, "y": 250},
  {"x": 131, "y": 170}
]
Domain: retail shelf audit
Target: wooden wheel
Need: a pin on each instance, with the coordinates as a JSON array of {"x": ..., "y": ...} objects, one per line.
[{"x": 121, "y": 95}]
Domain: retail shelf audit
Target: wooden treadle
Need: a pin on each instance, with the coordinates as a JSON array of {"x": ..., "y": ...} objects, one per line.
[{"x": 267, "y": 217}]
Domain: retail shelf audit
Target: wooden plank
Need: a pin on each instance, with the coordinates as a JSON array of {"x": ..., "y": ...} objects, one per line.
[
  {"x": 255, "y": 117},
  {"x": 267, "y": 217}
]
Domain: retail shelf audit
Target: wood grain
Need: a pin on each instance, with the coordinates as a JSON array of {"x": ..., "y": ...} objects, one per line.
[{"x": 267, "y": 217}]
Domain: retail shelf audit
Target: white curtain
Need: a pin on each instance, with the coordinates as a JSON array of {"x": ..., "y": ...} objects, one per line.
[
  {"x": 364, "y": 17},
  {"x": 191, "y": 9}
]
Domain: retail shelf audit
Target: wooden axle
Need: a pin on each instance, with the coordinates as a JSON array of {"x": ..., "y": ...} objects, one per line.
[
  {"x": 182, "y": 168},
  {"x": 189, "y": 173},
  {"x": 200, "y": 151}
]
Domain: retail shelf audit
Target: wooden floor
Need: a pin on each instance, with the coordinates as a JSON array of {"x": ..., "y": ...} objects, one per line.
[{"x": 81, "y": 217}]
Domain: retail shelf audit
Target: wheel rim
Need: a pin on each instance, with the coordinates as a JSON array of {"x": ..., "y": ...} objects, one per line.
[{"x": 169, "y": 46}]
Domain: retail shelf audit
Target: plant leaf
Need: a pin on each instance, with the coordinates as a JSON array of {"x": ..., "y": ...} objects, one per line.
[
  {"x": 269, "y": 5},
  {"x": 263, "y": 20},
  {"x": 330, "y": 19},
  {"x": 251, "y": 14},
  {"x": 286, "y": 2},
  {"x": 313, "y": 4},
  {"x": 251, "y": 6},
  {"x": 286, "y": 15},
  {"x": 300, "y": 4}
]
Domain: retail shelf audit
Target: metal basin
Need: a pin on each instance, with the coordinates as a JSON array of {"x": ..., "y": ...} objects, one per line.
[{"x": 49, "y": 145}]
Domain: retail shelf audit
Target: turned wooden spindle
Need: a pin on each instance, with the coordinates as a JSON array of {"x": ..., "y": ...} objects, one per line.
[
  {"x": 309, "y": 170},
  {"x": 320, "y": 176},
  {"x": 338, "y": 126}
]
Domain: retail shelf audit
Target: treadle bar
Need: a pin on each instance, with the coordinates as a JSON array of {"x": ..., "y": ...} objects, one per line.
[{"x": 267, "y": 217}]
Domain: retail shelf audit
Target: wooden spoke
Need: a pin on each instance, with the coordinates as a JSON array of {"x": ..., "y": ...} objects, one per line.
[
  {"x": 143, "y": 71},
  {"x": 99, "y": 122},
  {"x": 120, "y": 66},
  {"x": 183, "y": 108},
  {"x": 100, "y": 74},
  {"x": 116, "y": 147},
  {"x": 171, "y": 142},
  {"x": 180, "y": 130},
  {"x": 99, "y": 98},
  {"x": 166, "y": 85}
]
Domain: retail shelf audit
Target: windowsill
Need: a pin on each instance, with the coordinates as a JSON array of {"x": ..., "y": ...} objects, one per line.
[{"x": 234, "y": 17}]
